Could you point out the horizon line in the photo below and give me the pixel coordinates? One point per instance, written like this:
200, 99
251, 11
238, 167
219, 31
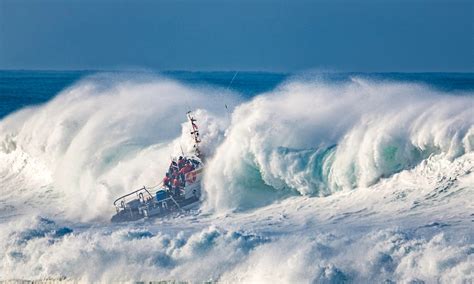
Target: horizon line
150, 70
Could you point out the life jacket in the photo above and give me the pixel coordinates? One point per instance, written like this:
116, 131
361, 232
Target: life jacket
181, 163
176, 183
188, 168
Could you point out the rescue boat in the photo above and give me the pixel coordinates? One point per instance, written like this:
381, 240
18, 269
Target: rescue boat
162, 200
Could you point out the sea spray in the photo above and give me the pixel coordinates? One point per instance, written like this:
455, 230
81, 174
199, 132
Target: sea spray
377, 129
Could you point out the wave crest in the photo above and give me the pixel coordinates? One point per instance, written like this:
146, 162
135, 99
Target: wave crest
316, 138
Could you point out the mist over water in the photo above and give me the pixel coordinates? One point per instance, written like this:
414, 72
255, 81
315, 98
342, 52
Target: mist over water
318, 157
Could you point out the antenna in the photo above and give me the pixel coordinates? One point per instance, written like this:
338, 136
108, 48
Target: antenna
231, 81
228, 87
195, 134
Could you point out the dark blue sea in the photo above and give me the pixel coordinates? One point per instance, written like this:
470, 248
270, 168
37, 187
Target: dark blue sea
22, 88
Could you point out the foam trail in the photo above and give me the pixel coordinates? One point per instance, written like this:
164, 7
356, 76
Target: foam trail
39, 248
99, 139
285, 141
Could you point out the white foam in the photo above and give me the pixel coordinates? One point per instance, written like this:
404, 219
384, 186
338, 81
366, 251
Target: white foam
282, 140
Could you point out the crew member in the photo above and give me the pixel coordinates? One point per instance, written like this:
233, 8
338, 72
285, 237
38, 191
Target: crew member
167, 181
181, 162
176, 186
173, 167
184, 170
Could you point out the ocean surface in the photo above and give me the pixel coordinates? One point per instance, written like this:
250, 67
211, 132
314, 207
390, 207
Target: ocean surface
23, 88
310, 178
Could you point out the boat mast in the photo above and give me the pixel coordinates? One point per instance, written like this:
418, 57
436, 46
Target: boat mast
195, 134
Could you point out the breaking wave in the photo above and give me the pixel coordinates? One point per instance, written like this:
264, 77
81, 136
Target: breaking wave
99, 139
106, 135
313, 138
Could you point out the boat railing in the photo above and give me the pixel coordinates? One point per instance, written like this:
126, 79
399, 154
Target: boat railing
155, 187
120, 202
144, 194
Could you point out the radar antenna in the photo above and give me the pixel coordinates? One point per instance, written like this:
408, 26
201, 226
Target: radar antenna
195, 134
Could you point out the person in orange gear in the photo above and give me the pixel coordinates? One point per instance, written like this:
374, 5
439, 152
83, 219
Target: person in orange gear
167, 181
176, 186
184, 170
181, 162
189, 167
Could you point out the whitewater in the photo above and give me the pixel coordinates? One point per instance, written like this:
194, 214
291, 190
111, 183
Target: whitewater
314, 181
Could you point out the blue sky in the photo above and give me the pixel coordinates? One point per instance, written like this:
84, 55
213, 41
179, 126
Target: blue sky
353, 35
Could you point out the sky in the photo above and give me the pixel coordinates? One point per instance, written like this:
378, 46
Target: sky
259, 35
